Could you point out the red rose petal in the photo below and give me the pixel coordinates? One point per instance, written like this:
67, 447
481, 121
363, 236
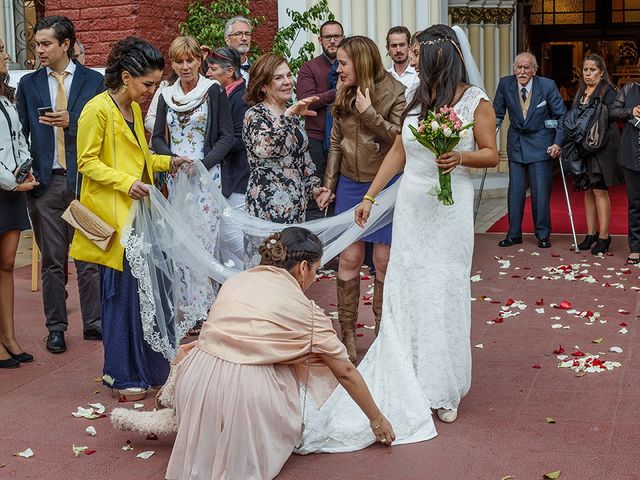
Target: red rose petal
623, 312
556, 255
540, 302
496, 301
510, 301
559, 350
359, 334
333, 304
366, 297
89, 452
366, 303
365, 277
515, 276
535, 365
565, 305
577, 353
359, 325
498, 320
623, 324
606, 284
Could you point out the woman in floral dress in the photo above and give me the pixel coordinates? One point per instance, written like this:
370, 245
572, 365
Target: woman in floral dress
281, 180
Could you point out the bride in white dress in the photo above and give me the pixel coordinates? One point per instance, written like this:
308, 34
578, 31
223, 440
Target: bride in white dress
421, 359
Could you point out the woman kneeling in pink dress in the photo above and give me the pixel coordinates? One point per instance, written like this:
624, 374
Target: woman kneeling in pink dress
237, 392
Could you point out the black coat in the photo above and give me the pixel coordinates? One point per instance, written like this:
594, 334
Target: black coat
622, 109
218, 134
602, 165
235, 167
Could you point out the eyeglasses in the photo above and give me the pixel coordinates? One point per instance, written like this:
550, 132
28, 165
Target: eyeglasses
328, 38
240, 34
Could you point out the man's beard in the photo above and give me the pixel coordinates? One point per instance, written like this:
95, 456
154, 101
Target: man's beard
400, 61
243, 49
328, 54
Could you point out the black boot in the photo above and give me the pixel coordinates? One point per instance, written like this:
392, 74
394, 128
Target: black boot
588, 241
602, 246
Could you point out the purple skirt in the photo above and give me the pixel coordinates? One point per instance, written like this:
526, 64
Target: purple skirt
349, 193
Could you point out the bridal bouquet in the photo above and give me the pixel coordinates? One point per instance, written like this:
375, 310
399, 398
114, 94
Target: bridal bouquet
440, 132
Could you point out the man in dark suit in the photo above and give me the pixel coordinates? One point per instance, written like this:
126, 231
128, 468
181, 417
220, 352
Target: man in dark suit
535, 107
62, 87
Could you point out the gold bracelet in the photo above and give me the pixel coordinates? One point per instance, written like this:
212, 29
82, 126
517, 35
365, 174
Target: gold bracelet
370, 198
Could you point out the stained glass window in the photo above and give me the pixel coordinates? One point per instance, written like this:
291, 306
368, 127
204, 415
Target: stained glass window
624, 11
564, 12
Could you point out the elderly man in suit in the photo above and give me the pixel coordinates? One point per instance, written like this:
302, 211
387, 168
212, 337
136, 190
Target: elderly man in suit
535, 106
49, 103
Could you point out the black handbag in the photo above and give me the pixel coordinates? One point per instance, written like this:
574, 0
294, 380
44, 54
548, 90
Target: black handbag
596, 136
572, 163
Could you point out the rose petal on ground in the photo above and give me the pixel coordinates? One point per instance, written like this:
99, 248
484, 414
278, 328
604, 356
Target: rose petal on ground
95, 392
89, 452
623, 324
138, 405
146, 454
597, 340
508, 477
556, 325
510, 301
498, 320
559, 350
539, 310
552, 475
100, 409
475, 278
550, 420
536, 365
577, 353
540, 302
77, 450
565, 305
623, 311
91, 430
479, 345
128, 446
28, 453
623, 331
359, 334
615, 350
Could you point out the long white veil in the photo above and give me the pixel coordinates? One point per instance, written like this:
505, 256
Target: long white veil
473, 73
181, 249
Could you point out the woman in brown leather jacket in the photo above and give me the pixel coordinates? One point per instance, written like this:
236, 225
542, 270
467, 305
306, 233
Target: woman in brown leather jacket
367, 110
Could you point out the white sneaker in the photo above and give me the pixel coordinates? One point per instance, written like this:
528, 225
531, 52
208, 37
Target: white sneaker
132, 394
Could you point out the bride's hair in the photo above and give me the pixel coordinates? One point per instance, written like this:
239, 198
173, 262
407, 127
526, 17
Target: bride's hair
289, 247
369, 70
441, 69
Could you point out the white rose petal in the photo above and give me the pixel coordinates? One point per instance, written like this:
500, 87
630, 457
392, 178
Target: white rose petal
447, 132
145, 455
91, 430
28, 453
623, 330
615, 350
479, 345
476, 278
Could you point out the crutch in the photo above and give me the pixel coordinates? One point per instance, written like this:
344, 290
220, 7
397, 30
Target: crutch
476, 208
566, 194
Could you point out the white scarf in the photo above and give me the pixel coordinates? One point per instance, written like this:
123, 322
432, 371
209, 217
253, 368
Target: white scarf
179, 101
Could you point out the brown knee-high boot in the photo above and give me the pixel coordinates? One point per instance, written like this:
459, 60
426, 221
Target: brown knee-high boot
378, 290
348, 299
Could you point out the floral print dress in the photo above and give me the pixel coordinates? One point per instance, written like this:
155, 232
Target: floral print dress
281, 178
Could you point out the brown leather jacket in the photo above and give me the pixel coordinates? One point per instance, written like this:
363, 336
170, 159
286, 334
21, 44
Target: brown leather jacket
360, 141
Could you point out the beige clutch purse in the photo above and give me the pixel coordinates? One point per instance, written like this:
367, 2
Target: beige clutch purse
89, 224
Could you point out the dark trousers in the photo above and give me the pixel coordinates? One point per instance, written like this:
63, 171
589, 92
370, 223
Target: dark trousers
54, 236
320, 160
632, 181
539, 176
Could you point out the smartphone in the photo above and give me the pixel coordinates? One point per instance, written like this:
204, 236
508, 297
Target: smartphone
44, 110
24, 171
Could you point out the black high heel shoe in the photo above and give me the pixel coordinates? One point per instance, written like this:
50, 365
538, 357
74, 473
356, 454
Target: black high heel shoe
588, 241
9, 363
602, 246
22, 357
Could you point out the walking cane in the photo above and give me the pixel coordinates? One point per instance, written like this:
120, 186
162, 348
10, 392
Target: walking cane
476, 208
566, 194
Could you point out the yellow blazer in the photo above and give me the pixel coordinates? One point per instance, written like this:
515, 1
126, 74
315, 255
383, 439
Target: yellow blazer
110, 160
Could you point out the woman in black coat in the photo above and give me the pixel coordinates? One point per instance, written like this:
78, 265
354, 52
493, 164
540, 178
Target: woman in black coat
627, 107
602, 166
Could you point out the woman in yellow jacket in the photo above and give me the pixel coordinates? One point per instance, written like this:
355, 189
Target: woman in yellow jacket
117, 168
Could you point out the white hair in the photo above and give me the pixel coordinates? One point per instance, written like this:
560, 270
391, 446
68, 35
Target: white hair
231, 21
534, 62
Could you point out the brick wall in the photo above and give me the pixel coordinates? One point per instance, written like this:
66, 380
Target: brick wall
99, 23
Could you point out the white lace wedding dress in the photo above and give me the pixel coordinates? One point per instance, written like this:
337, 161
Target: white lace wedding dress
421, 359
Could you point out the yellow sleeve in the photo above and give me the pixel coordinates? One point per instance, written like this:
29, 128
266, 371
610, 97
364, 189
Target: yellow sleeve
91, 136
160, 163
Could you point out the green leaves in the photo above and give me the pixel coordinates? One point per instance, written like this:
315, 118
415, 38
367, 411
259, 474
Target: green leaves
301, 22
206, 22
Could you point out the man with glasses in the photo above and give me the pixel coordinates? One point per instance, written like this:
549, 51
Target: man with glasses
314, 79
237, 35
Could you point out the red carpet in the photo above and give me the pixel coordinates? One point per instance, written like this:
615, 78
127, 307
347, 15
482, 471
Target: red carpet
560, 214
